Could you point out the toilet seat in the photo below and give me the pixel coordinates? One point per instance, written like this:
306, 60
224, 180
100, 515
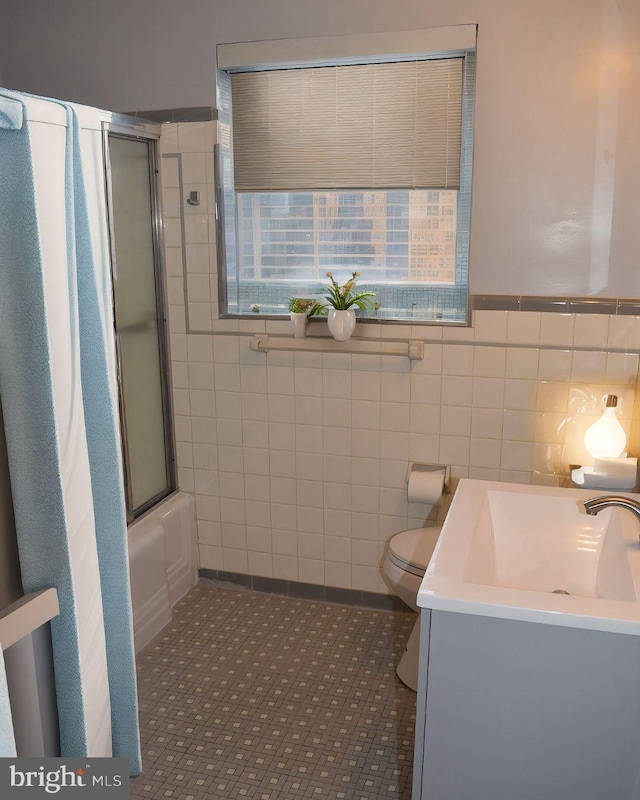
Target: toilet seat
411, 550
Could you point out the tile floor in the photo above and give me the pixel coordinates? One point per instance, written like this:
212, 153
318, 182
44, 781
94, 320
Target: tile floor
273, 698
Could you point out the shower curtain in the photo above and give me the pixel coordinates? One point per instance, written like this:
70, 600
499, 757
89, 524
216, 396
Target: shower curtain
58, 390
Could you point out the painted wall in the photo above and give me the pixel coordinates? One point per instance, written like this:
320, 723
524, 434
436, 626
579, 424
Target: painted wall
556, 193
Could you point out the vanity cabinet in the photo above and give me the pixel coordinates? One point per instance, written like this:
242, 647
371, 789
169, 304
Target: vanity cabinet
515, 710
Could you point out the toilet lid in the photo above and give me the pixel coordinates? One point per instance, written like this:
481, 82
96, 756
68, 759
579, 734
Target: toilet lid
411, 550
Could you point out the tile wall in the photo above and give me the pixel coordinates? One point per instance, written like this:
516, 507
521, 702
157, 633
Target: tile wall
298, 461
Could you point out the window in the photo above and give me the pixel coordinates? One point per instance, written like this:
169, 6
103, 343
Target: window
360, 166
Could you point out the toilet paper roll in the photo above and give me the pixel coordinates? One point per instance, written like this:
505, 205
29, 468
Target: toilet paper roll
426, 486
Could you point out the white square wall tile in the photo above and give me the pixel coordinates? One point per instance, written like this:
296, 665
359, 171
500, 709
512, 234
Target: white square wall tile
490, 326
254, 406
365, 525
519, 425
337, 496
455, 421
210, 557
365, 414
336, 412
554, 396
488, 392
283, 490
365, 443
285, 567
310, 439
192, 137
364, 552
485, 453
425, 418
395, 417
394, 445
489, 362
202, 403
281, 408
336, 383
424, 447
310, 520
454, 450
523, 327
280, 380
588, 366
557, 329
336, 468
365, 386
365, 499
260, 564
520, 394
196, 229
308, 410
426, 389
516, 456
624, 332
555, 365
522, 363
591, 330
311, 545
311, 571
259, 537
200, 317
622, 368
457, 359
456, 391
395, 388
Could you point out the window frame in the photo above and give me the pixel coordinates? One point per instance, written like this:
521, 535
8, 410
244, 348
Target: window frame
260, 56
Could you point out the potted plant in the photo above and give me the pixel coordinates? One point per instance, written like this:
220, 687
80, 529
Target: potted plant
300, 309
342, 299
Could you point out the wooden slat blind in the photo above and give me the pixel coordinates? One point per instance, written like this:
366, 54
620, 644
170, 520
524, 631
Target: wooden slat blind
372, 126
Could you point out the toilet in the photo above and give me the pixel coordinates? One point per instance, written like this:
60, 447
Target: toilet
407, 559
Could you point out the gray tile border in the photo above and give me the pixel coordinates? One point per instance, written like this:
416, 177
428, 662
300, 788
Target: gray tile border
195, 114
559, 305
330, 594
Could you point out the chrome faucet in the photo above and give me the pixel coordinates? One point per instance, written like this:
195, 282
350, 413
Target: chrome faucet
596, 504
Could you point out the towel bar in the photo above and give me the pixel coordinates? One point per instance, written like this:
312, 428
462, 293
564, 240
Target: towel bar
413, 350
26, 615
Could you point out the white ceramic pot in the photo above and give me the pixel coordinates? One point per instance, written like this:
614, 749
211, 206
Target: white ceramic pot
341, 323
299, 322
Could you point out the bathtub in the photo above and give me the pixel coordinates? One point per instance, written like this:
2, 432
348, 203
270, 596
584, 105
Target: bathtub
162, 563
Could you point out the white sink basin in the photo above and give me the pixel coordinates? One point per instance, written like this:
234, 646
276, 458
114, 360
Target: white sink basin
506, 549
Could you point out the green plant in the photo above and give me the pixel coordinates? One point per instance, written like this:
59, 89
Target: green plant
302, 305
343, 297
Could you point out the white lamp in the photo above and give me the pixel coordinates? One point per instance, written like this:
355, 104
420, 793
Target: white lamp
606, 443
606, 437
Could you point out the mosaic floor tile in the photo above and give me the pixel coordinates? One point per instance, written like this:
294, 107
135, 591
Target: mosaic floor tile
250, 695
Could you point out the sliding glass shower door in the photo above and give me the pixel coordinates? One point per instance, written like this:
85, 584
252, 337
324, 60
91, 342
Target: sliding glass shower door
139, 322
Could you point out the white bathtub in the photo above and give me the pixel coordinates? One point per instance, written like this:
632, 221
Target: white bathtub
162, 563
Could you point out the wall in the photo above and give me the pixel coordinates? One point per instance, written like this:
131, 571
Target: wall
556, 206
298, 461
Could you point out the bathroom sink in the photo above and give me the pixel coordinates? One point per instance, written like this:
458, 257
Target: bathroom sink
532, 553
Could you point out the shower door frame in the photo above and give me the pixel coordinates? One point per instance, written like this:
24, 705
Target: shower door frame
123, 127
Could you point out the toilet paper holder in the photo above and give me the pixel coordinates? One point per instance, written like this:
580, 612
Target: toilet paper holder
417, 467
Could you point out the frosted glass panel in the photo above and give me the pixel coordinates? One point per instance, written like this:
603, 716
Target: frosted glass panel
140, 368
137, 324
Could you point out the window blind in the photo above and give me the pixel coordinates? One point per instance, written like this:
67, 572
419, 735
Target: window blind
369, 126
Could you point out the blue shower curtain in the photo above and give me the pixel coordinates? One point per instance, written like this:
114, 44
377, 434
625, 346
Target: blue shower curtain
57, 384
